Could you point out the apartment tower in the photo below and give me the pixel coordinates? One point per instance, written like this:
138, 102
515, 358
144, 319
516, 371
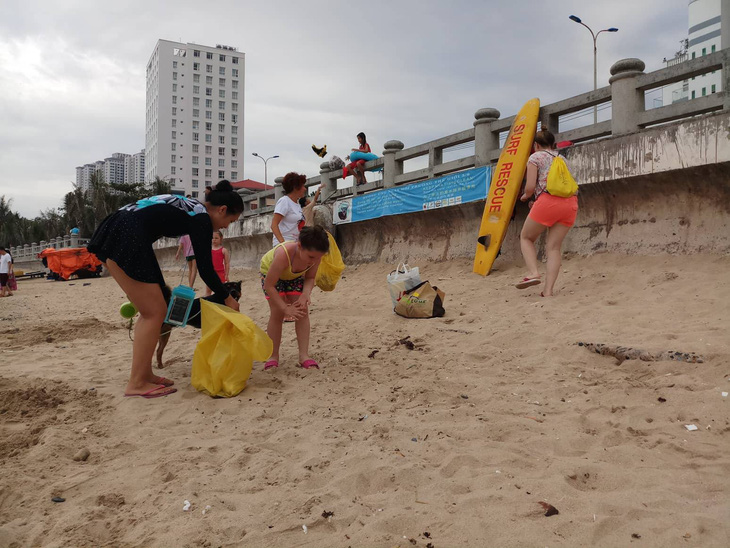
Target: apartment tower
194, 115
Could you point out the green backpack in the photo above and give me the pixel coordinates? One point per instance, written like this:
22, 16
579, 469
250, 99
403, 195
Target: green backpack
559, 180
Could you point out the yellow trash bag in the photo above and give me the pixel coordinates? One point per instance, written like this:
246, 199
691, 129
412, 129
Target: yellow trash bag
330, 268
228, 346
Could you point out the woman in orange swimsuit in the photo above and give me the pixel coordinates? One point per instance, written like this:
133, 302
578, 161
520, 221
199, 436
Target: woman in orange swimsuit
551, 213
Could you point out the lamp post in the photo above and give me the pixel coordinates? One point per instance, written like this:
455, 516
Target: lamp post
595, 50
266, 175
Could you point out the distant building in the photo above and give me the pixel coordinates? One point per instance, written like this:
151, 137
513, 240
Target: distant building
118, 168
134, 168
706, 34
249, 186
194, 115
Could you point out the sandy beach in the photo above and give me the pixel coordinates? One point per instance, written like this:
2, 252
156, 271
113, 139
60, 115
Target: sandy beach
452, 443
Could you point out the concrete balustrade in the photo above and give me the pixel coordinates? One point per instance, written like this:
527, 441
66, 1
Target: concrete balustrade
625, 92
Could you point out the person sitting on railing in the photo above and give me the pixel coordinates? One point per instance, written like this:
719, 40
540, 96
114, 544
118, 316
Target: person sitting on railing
356, 167
288, 218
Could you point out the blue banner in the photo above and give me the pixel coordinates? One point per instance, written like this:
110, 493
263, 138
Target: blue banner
454, 189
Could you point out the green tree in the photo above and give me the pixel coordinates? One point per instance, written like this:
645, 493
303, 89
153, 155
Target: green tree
159, 186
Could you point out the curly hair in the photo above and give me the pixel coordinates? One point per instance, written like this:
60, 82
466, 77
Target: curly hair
293, 181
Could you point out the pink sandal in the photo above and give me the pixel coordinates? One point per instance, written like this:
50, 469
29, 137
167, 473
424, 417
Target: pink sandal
157, 392
528, 282
271, 364
309, 364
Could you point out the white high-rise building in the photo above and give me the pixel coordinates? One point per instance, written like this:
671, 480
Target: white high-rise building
194, 117
134, 168
115, 169
706, 34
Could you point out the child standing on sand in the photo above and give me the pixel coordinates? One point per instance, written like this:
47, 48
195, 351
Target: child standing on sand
187, 248
221, 259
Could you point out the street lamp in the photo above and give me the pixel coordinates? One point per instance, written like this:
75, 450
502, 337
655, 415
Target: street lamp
595, 71
266, 175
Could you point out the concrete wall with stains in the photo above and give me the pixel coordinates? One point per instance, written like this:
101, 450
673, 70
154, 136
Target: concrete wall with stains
662, 190
698, 141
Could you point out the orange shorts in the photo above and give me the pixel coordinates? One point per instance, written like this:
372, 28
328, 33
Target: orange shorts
549, 210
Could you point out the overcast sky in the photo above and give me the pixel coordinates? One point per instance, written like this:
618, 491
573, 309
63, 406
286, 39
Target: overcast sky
72, 72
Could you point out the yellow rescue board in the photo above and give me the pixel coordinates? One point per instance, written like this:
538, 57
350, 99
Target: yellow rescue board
506, 183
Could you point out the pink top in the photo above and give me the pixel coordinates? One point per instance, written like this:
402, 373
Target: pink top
542, 159
187, 245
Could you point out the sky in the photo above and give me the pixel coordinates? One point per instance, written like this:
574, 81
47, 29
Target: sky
72, 73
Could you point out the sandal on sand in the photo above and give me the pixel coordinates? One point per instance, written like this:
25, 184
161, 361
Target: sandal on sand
156, 392
271, 364
309, 364
289, 319
528, 282
165, 381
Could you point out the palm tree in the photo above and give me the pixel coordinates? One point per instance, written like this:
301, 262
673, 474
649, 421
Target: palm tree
159, 186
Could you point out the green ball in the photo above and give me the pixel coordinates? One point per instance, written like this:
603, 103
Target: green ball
128, 310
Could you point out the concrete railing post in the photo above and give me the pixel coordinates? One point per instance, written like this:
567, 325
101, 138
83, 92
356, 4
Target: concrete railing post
278, 189
548, 121
485, 140
627, 102
391, 167
435, 157
327, 179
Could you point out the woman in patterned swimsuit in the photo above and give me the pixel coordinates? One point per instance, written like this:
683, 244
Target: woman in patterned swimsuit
123, 242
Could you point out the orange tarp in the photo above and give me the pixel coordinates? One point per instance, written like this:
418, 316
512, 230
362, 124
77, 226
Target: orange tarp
71, 261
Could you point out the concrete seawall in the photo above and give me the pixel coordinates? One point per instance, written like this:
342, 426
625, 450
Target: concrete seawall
669, 212
682, 211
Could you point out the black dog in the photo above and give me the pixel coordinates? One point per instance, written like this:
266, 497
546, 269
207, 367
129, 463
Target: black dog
234, 288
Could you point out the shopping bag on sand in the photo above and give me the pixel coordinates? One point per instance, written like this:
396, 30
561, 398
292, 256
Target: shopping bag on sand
228, 346
401, 280
330, 268
423, 301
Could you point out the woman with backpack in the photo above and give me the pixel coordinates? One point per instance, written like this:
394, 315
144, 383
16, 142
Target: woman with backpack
548, 212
